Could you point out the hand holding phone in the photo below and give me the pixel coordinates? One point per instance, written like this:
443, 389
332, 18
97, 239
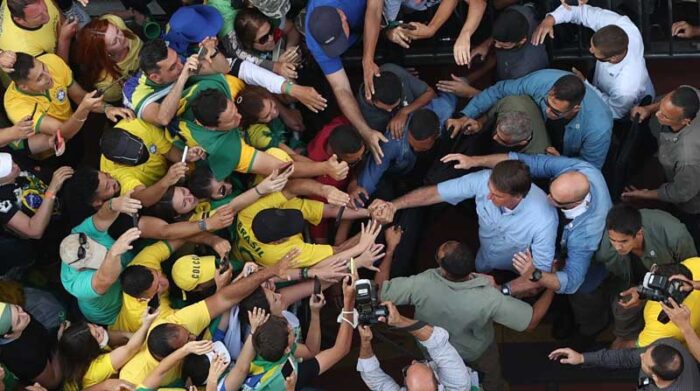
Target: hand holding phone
153, 304
184, 154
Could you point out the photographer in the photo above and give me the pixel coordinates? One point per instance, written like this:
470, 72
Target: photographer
445, 370
655, 326
665, 365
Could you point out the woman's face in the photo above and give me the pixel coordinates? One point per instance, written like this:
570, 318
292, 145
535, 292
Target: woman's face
264, 40
183, 201
20, 321
220, 189
97, 332
115, 41
269, 111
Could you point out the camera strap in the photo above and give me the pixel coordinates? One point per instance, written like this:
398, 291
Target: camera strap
416, 326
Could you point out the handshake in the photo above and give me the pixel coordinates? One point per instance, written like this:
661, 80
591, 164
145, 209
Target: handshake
382, 211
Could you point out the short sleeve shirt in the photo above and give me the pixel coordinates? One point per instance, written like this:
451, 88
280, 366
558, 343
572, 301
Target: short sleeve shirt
97, 308
55, 103
195, 318
354, 12
100, 370
250, 249
26, 194
132, 310
32, 42
148, 173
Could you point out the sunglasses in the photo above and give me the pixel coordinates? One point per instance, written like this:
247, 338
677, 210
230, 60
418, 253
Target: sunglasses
82, 252
263, 40
554, 111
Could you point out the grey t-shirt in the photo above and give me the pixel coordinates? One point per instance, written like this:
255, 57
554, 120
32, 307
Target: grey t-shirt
516, 63
411, 88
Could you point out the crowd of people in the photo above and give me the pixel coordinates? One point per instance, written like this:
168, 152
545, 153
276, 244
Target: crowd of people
182, 201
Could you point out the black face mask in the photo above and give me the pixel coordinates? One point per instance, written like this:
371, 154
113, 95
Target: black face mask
123, 147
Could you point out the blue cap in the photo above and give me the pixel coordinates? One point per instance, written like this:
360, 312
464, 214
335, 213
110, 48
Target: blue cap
326, 27
192, 24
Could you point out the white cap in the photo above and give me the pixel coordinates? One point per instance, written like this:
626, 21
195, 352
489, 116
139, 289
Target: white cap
5, 164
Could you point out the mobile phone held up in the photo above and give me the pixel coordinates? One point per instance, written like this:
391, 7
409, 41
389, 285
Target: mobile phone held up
153, 304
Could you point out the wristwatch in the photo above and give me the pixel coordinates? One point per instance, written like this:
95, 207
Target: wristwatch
536, 275
505, 289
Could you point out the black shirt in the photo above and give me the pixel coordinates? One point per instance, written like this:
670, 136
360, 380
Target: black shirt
28, 355
556, 129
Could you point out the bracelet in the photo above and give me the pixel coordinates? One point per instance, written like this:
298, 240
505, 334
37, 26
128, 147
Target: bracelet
288, 87
49, 195
258, 191
202, 224
109, 205
305, 273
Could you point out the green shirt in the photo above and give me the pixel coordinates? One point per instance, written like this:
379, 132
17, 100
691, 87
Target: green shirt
540, 137
97, 308
465, 309
666, 240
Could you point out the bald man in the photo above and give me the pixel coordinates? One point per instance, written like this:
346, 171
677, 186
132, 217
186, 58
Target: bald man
579, 192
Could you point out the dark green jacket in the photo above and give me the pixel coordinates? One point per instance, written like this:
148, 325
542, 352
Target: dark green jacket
666, 240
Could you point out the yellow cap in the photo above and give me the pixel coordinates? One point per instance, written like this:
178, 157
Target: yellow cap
191, 270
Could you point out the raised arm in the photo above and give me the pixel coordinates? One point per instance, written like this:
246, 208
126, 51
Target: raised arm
121, 355
111, 267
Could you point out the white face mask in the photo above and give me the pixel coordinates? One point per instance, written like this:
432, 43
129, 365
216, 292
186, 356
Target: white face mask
105, 340
579, 209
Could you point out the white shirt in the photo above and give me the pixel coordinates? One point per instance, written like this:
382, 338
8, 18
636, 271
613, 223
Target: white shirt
621, 85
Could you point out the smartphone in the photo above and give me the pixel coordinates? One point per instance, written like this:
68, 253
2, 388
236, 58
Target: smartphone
364, 199
317, 286
352, 266
222, 264
184, 154
201, 56
153, 304
288, 367
135, 220
339, 217
71, 19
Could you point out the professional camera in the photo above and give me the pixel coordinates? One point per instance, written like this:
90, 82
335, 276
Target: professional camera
366, 303
660, 288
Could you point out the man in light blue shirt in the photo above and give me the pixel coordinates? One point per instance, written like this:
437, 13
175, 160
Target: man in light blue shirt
514, 214
578, 121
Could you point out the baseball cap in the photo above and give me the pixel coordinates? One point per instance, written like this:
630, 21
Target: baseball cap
5, 164
79, 251
326, 27
122, 147
273, 224
276, 9
192, 24
191, 270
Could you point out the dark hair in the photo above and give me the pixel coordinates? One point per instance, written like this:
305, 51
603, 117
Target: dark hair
159, 340
77, 348
668, 362
512, 177
163, 209
17, 7
200, 181
208, 106
250, 103
345, 139
387, 88
79, 191
23, 65
624, 219
196, 367
248, 22
255, 299
270, 340
424, 123
458, 260
135, 280
510, 26
151, 54
686, 98
611, 40
569, 88
671, 269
